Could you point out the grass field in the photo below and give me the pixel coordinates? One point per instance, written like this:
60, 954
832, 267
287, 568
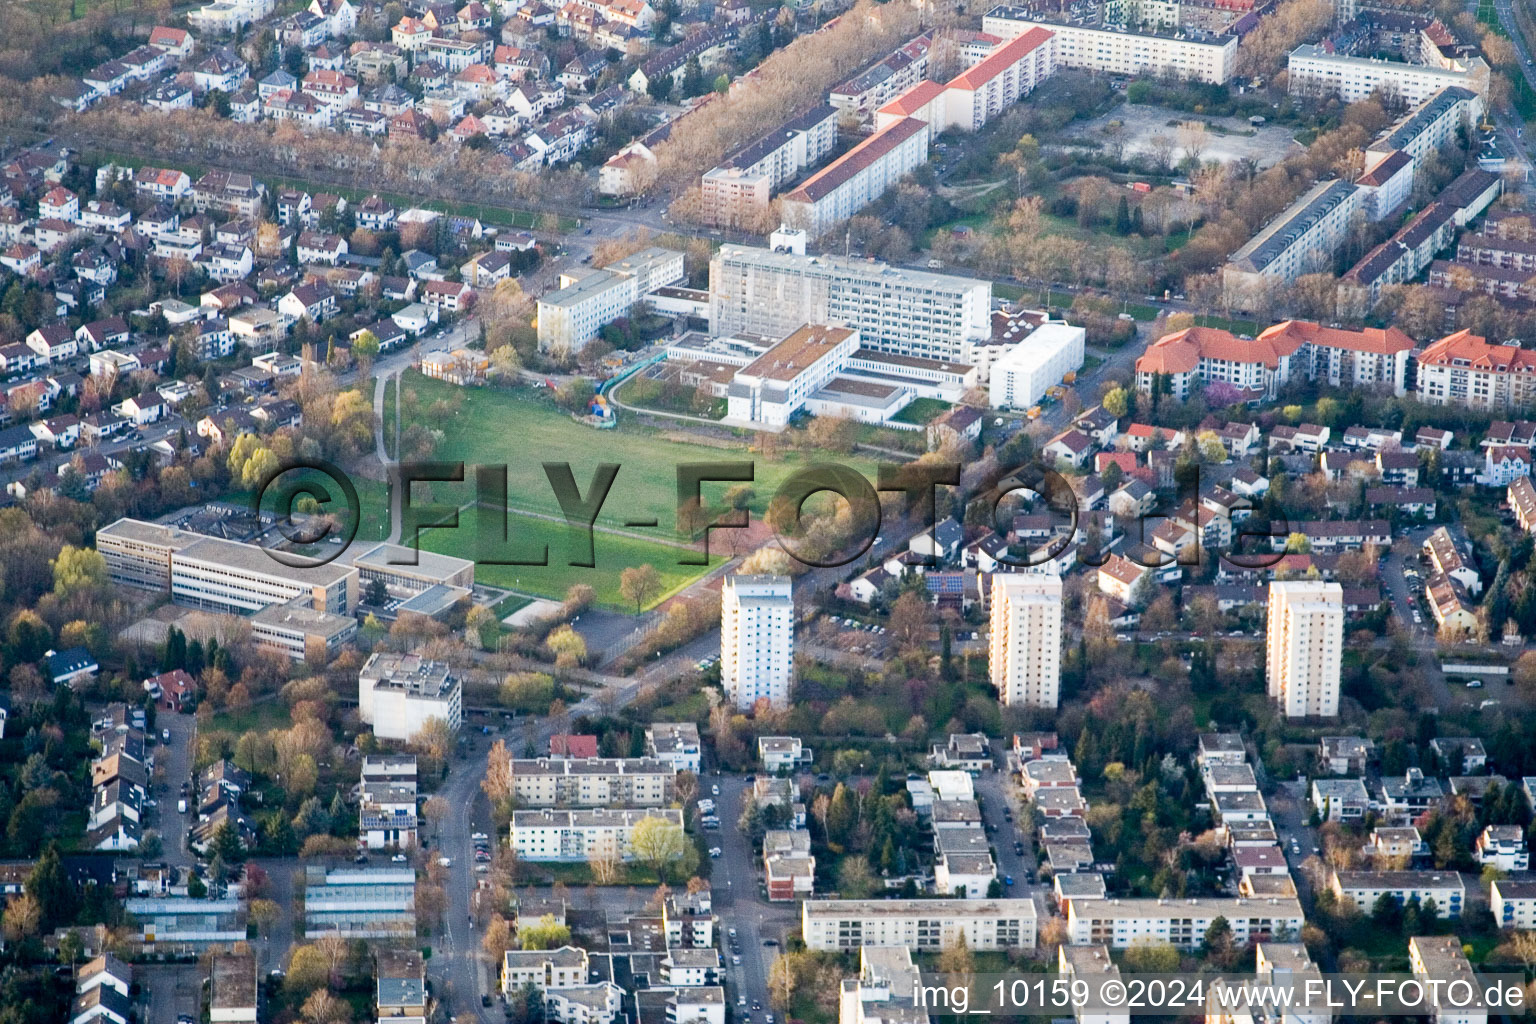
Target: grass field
262, 716
612, 553
523, 429
921, 410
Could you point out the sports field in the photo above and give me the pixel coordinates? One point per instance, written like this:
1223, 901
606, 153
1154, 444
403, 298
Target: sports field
524, 429
611, 553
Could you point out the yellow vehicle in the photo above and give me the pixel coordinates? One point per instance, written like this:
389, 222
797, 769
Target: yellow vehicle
1070, 377
1034, 412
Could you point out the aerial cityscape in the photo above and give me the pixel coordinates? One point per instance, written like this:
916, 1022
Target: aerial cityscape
1038, 493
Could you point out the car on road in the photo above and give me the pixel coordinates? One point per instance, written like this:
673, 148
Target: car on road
714, 790
715, 851
446, 862
480, 837
481, 869
1018, 848
736, 960
1007, 879
399, 858
482, 857
165, 735
361, 858
741, 1000
185, 1018
770, 942
485, 999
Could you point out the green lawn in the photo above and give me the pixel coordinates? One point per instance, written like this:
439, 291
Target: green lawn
921, 410
263, 716
1235, 326
372, 499
524, 429
612, 553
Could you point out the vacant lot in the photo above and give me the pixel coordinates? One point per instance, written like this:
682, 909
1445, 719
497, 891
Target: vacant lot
524, 429
1227, 139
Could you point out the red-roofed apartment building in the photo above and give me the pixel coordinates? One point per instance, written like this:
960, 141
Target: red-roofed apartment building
859, 176
1259, 366
999, 80
1465, 369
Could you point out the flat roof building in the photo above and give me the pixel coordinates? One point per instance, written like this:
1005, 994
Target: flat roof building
399, 693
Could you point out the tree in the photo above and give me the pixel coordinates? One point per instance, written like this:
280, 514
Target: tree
21, 919
567, 646
78, 570
662, 845
639, 583
497, 938
307, 969
545, 933
434, 810
911, 620
855, 881
606, 863
497, 783
263, 914
323, 1008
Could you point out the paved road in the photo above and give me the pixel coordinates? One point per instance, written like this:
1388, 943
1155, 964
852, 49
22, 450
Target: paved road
170, 990
738, 903
175, 758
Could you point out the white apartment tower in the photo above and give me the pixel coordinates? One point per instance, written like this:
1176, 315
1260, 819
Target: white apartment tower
1304, 647
1026, 638
757, 639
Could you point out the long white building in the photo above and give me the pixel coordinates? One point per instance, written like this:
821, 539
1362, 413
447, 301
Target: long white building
576, 834
587, 302
399, 693
1303, 239
1304, 647
1041, 360
1121, 923
925, 925
746, 180
1195, 56
778, 383
894, 309
857, 178
757, 640
1025, 638
1313, 71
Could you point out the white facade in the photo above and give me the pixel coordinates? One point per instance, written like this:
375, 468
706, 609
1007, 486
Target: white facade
926, 925
1040, 361
857, 178
584, 304
1122, 923
1025, 638
778, 383
575, 835
1304, 647
1202, 59
757, 640
1315, 72
907, 312
399, 694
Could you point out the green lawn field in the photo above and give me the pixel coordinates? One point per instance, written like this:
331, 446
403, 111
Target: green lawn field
612, 553
524, 429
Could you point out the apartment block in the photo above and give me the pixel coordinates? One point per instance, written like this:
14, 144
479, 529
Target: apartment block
1513, 902
883, 80
1093, 966
746, 181
677, 743
1301, 240
1025, 638
885, 991
544, 969
757, 640
1364, 888
1304, 647
586, 302
399, 693
1468, 370
592, 782
857, 178
1439, 962
575, 834
924, 925
999, 80
894, 309
1195, 56
1122, 923
1316, 72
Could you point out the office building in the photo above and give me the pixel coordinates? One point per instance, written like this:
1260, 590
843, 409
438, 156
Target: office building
1025, 638
1022, 375
1316, 72
576, 834
592, 782
922, 925
1122, 923
398, 693
360, 903
757, 640
893, 309
1191, 55
1304, 647
586, 302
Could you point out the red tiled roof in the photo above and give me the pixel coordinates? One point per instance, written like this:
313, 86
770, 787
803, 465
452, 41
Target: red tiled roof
1477, 353
856, 159
914, 99
1000, 59
1372, 339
